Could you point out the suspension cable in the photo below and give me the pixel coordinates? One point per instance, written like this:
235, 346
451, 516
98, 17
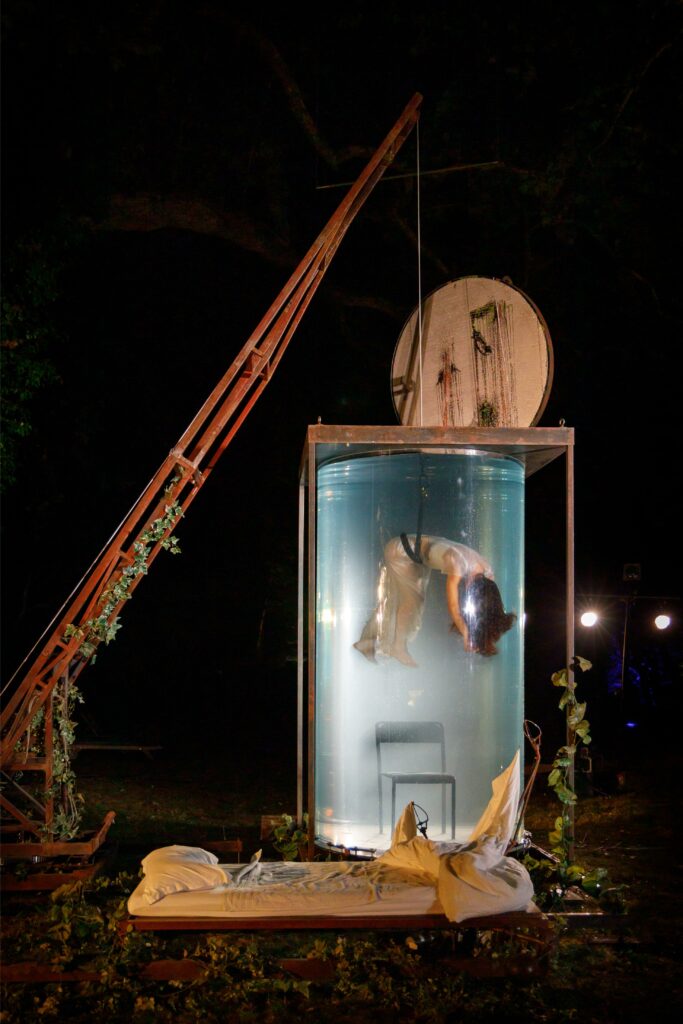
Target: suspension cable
419, 263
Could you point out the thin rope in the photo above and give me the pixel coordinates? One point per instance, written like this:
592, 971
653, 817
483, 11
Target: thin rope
419, 264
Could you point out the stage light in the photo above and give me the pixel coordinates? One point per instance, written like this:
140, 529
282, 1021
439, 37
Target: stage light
662, 621
589, 619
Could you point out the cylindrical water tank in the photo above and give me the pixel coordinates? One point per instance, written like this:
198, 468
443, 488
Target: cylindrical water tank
387, 650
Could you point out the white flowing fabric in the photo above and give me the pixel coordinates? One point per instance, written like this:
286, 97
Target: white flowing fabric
473, 879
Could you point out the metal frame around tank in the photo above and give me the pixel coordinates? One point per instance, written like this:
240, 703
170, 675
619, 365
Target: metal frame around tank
534, 446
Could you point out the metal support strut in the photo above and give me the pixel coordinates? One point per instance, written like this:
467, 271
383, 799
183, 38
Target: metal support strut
60, 653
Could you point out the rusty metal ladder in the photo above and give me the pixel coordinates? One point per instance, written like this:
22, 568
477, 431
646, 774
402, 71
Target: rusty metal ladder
60, 655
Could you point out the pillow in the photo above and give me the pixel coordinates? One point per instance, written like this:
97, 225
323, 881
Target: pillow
179, 869
193, 853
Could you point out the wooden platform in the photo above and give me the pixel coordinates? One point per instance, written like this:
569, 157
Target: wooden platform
53, 874
64, 848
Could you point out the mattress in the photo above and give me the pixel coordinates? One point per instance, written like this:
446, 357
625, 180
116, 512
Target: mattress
282, 889
415, 877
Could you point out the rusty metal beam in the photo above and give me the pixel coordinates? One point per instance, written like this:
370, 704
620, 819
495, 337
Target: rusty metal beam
186, 468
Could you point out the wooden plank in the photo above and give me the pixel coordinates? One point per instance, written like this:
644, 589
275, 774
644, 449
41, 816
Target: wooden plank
223, 846
404, 922
27, 972
306, 968
47, 880
67, 848
310, 968
173, 970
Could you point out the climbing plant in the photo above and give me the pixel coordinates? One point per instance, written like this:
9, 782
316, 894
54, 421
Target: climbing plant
553, 876
561, 777
102, 628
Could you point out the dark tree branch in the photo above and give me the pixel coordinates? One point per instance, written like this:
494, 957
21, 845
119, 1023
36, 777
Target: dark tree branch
272, 57
630, 93
145, 211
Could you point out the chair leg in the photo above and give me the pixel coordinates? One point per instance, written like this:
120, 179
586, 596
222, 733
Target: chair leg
452, 810
443, 808
379, 788
393, 804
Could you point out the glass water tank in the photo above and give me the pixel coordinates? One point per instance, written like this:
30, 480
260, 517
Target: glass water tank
411, 665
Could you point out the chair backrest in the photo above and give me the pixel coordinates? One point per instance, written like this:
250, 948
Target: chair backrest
409, 732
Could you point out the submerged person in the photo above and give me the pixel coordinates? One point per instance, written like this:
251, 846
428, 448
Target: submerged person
472, 596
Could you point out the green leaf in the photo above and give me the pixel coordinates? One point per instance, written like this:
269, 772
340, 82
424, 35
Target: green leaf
576, 714
593, 881
564, 794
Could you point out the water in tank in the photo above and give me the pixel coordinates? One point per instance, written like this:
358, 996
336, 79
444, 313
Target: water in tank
399, 641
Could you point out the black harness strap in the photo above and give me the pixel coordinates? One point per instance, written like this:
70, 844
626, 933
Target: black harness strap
415, 554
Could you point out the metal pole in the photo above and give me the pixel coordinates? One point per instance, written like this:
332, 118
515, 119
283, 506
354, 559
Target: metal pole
570, 627
300, 654
312, 549
627, 608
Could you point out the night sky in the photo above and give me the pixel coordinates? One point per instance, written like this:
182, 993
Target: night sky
163, 173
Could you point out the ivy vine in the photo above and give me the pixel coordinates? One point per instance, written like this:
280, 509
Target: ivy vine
561, 774
65, 823
103, 628
67, 818
553, 877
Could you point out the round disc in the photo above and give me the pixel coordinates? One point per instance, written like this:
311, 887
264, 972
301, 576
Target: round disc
482, 358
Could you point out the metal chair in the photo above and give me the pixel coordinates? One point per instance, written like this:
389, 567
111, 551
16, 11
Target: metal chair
414, 732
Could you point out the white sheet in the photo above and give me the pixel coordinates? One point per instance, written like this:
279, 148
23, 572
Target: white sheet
284, 889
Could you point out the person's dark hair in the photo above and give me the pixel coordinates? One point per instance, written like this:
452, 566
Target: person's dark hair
481, 606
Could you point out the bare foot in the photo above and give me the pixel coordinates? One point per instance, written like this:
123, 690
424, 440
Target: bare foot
367, 649
401, 654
